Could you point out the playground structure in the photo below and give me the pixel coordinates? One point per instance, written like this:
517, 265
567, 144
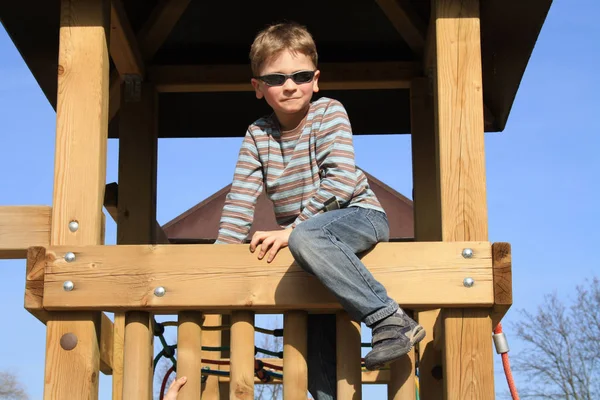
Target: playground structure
455, 74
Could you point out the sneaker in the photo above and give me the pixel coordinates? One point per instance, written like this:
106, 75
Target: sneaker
392, 338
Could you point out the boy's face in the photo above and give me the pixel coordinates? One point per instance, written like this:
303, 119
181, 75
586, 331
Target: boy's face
291, 97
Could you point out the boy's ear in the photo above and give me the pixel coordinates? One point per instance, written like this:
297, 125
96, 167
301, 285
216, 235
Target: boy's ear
316, 81
257, 90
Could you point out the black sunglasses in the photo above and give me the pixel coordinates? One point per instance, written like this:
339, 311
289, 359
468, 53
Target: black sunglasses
279, 79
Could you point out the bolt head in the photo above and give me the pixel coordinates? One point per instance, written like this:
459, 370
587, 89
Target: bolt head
468, 282
73, 226
68, 286
467, 253
70, 257
159, 291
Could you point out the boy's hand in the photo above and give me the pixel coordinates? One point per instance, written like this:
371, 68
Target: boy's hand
174, 388
274, 240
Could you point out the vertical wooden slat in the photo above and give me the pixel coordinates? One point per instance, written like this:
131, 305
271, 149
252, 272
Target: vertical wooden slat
189, 357
225, 342
295, 345
427, 216
241, 385
118, 342
467, 353
211, 338
402, 379
72, 339
349, 376
138, 142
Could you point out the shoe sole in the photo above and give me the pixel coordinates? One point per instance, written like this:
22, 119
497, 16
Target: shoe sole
395, 352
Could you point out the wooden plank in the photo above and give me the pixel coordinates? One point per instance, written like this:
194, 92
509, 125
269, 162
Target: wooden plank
502, 264
106, 345
34, 283
430, 358
402, 379
242, 356
124, 48
114, 94
211, 338
138, 146
137, 358
235, 78
348, 349
118, 345
467, 354
159, 25
407, 22
189, 358
79, 177
124, 277
427, 213
295, 350
22, 227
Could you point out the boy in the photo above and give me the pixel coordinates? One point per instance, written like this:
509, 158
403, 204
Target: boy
303, 156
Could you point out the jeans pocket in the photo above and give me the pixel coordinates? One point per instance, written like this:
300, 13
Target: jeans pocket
380, 224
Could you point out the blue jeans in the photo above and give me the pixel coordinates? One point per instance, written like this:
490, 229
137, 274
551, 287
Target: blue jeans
326, 246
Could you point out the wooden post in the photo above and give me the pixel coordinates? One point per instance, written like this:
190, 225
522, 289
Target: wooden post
349, 376
402, 379
427, 217
118, 344
189, 358
72, 343
241, 386
138, 141
211, 338
295, 345
467, 353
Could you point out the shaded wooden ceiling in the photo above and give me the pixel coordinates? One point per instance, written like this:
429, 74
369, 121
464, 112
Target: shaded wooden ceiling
197, 54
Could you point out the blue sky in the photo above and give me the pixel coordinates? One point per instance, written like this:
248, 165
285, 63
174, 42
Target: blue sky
542, 178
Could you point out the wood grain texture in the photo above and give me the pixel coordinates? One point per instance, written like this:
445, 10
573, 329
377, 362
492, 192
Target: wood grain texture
432, 385
208, 277
402, 378
295, 350
348, 354
138, 357
118, 347
467, 356
106, 344
241, 386
124, 49
211, 338
79, 178
502, 264
459, 120
22, 227
189, 357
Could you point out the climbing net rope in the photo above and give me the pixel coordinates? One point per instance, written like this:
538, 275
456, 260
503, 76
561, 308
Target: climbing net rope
266, 372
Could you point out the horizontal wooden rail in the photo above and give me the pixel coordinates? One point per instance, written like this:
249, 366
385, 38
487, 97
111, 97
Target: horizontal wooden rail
22, 227
229, 277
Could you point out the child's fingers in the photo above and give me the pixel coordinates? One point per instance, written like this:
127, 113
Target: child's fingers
274, 250
256, 239
264, 246
178, 383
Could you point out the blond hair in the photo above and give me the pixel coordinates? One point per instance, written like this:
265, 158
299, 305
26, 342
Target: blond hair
270, 42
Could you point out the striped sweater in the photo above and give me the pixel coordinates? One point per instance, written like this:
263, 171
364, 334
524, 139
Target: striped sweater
300, 170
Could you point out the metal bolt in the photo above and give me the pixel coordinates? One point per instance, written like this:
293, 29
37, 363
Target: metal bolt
70, 257
468, 282
68, 286
467, 253
73, 226
159, 291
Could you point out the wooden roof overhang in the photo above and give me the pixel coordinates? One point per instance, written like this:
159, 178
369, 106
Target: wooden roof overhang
196, 53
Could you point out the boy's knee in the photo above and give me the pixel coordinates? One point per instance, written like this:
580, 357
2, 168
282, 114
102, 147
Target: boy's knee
298, 239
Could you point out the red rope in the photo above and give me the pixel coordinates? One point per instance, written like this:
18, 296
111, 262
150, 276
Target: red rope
164, 382
273, 366
506, 364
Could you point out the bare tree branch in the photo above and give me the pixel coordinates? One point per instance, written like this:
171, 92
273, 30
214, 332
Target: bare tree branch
11, 388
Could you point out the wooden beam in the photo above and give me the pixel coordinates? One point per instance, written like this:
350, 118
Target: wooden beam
111, 198
295, 348
22, 227
211, 338
467, 355
106, 345
117, 366
124, 277
348, 354
114, 94
189, 349
407, 22
235, 78
242, 356
124, 48
72, 342
502, 264
159, 25
138, 147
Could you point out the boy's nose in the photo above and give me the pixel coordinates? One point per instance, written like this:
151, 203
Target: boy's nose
289, 84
